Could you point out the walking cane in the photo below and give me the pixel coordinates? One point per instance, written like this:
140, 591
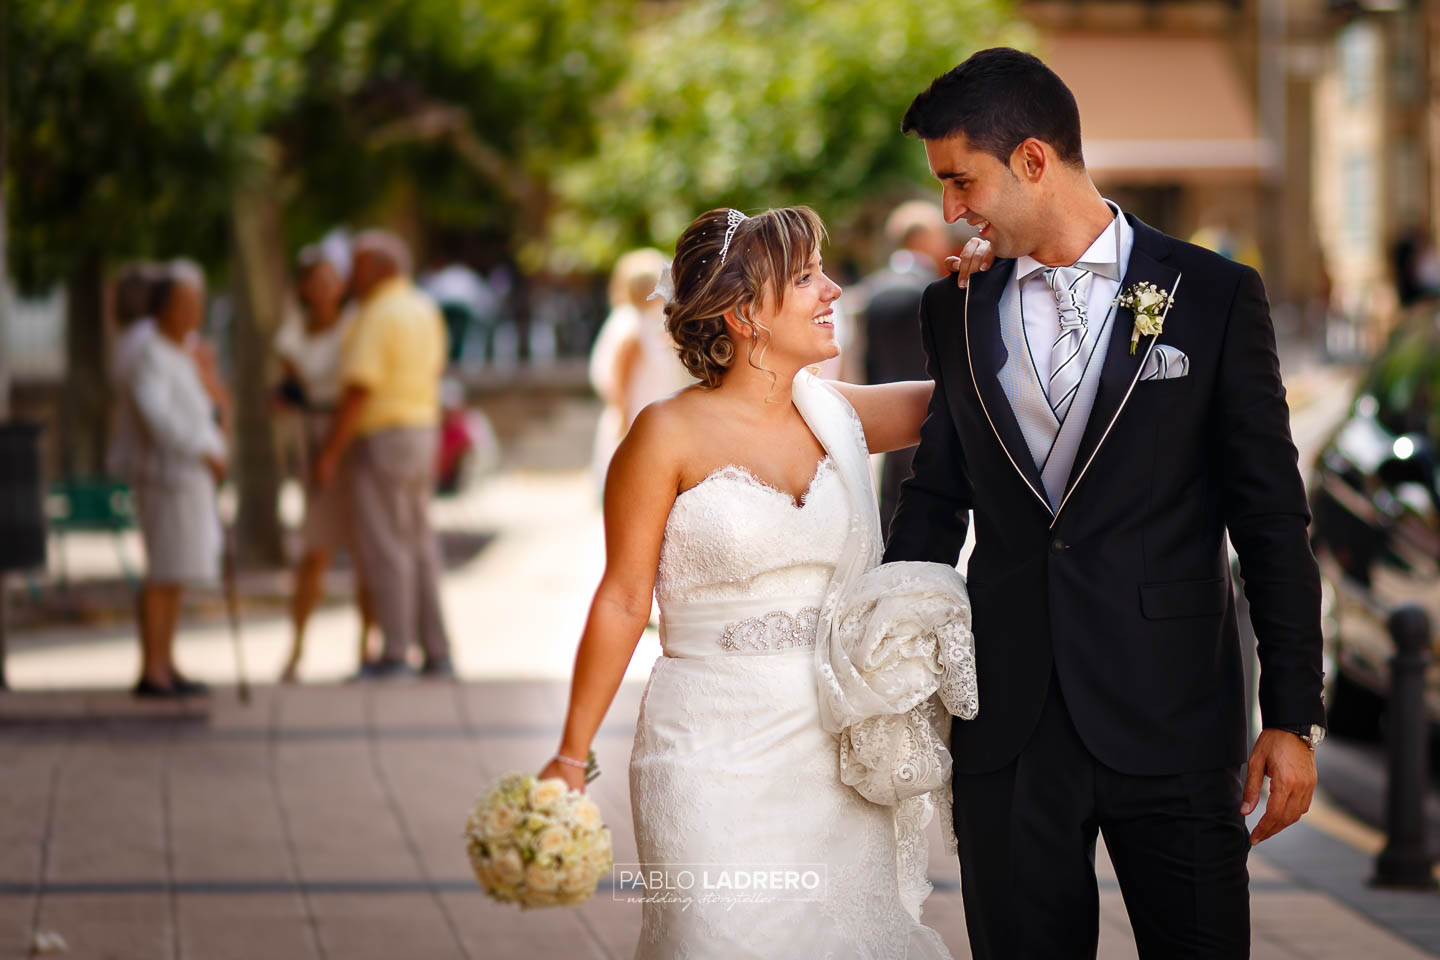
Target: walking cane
232, 608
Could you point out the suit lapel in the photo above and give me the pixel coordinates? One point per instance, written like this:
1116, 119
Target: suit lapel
1117, 379
987, 354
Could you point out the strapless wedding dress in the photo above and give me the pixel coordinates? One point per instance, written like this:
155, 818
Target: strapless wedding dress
754, 845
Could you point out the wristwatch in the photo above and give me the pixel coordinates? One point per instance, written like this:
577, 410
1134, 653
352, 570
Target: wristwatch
1313, 735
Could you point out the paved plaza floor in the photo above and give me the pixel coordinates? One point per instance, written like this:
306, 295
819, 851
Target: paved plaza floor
324, 820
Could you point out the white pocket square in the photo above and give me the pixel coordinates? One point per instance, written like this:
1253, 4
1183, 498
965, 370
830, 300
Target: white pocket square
1165, 363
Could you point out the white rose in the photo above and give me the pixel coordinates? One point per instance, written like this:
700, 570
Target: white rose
546, 793
500, 822
1149, 298
1149, 326
543, 879
507, 866
552, 840
578, 877
585, 814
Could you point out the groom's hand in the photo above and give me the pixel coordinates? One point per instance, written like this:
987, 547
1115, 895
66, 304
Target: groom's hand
1290, 764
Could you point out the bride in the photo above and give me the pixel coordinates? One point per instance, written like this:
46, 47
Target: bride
788, 748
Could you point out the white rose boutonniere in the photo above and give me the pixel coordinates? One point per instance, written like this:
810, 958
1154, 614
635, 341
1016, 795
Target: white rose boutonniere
1149, 304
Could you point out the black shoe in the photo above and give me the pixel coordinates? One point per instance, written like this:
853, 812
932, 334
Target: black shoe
439, 668
385, 670
187, 687
145, 690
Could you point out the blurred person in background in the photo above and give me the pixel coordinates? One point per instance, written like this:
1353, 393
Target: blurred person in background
181, 459
390, 370
309, 348
633, 361
135, 289
466, 300
1416, 267
890, 306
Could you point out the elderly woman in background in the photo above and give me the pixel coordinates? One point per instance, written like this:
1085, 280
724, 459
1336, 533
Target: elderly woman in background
310, 350
634, 361
181, 459
135, 290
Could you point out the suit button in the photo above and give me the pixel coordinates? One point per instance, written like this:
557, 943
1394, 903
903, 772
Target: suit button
1057, 545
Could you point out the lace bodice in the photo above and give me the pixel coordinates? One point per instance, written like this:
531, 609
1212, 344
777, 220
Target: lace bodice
732, 536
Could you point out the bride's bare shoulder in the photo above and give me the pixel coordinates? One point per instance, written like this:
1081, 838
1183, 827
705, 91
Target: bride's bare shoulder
665, 433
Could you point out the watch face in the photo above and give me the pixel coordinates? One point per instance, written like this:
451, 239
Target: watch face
1317, 735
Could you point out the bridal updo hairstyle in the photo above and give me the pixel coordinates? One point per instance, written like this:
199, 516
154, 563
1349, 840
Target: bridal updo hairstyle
766, 253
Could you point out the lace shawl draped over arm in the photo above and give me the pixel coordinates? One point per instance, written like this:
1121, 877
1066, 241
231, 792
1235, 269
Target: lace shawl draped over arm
895, 657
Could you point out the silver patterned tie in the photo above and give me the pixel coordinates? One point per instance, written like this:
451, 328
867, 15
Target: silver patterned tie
1066, 365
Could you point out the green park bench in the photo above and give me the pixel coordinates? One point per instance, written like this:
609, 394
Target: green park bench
96, 505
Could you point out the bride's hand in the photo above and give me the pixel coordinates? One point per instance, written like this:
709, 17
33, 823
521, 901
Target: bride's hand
974, 257
574, 777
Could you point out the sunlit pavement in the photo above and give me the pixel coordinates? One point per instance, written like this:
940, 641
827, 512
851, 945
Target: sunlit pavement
323, 820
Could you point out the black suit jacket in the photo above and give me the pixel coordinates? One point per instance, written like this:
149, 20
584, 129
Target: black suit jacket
1125, 591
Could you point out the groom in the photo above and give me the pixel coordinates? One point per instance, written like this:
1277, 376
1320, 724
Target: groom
1104, 464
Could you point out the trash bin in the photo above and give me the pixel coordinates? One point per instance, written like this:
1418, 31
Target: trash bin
22, 497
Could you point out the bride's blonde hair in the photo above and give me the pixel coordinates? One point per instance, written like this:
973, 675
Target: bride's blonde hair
765, 252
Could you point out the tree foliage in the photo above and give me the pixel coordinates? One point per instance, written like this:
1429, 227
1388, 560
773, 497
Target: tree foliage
130, 122
567, 129
755, 103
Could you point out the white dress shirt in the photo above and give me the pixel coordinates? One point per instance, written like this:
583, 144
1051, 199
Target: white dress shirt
1109, 252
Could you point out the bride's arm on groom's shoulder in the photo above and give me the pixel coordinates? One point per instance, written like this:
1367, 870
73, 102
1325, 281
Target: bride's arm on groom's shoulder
639, 491
933, 512
891, 413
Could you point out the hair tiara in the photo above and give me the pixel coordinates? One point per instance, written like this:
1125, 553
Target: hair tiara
665, 287
733, 220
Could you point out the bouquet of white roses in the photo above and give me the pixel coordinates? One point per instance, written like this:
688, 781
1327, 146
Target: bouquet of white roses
537, 842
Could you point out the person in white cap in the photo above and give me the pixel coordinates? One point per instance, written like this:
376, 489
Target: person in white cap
309, 346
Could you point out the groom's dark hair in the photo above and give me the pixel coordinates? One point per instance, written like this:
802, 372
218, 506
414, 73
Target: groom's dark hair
999, 98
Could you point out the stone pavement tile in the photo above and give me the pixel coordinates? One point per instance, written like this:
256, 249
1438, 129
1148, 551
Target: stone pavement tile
1262, 869
109, 815
498, 756
227, 713
338, 705
615, 925
386, 926
1261, 949
16, 706
341, 822
518, 702
121, 706
111, 926
430, 703
16, 914
945, 912
1117, 939
434, 784
1315, 926
244, 927
224, 821
499, 931
24, 805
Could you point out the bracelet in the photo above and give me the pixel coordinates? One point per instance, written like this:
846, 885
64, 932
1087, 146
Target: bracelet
569, 761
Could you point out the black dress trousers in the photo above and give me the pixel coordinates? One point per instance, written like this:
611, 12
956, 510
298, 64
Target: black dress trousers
1027, 853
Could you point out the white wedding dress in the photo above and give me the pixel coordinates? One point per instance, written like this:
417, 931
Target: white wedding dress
733, 769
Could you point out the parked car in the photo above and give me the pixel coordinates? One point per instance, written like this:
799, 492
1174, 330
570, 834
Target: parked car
1376, 529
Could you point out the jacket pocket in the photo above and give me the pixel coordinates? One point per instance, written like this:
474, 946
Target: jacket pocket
1183, 598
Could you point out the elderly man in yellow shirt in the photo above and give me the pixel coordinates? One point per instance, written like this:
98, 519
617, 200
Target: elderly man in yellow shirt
391, 371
